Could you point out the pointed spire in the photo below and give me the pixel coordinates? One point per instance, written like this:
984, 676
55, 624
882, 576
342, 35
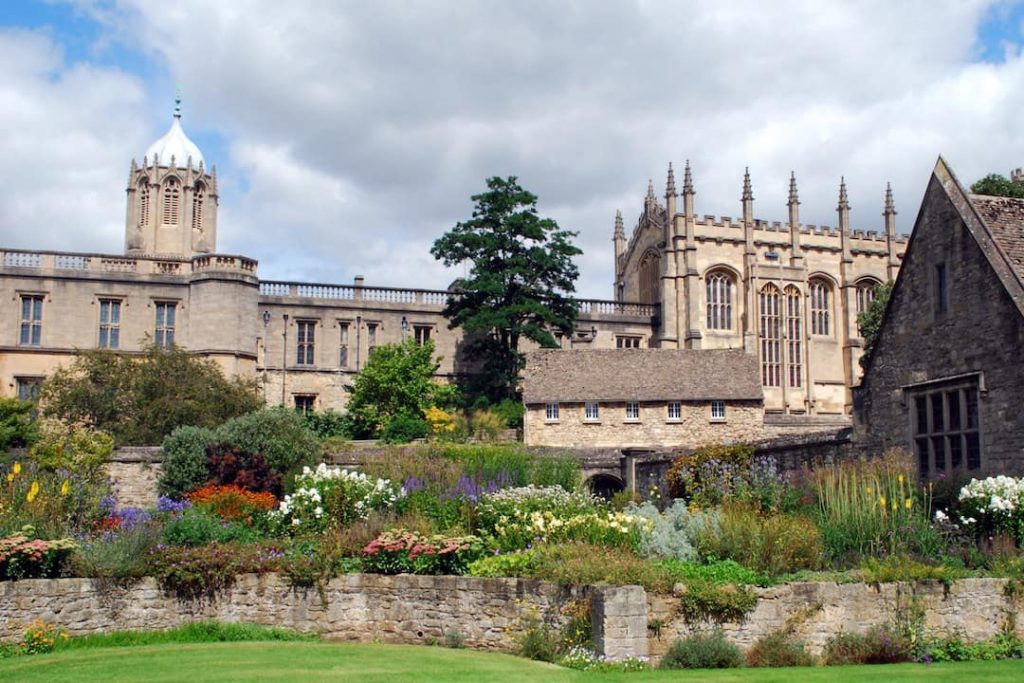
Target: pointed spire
650, 190
793, 198
748, 193
844, 204
619, 231
687, 179
670, 184
890, 206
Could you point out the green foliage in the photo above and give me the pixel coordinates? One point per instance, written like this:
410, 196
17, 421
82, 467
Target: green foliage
570, 564
120, 554
997, 185
954, 649
17, 423
185, 465
869, 321
535, 639
878, 645
772, 544
511, 411
708, 601
196, 632
141, 399
279, 433
778, 649
487, 425
54, 503
905, 568
326, 424
197, 572
404, 428
520, 281
79, 450
197, 527
719, 572
707, 476
702, 651
517, 564
669, 534
397, 381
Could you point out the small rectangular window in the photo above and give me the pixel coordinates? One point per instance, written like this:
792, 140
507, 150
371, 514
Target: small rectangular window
941, 289
28, 387
110, 323
31, 320
551, 412
422, 333
675, 410
305, 342
371, 336
592, 412
633, 411
343, 345
718, 410
305, 403
627, 342
165, 320
945, 428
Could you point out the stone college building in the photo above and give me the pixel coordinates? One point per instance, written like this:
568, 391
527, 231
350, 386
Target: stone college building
785, 293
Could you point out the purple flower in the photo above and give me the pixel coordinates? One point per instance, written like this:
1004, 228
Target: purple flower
170, 506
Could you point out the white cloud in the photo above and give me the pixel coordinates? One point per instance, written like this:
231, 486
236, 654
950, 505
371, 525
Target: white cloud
357, 132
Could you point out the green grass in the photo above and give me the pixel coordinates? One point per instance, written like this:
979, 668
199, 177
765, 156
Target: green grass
321, 661
196, 632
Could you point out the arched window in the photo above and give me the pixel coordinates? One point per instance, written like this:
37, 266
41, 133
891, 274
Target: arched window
198, 193
770, 337
821, 305
143, 202
794, 337
719, 296
650, 275
172, 201
865, 293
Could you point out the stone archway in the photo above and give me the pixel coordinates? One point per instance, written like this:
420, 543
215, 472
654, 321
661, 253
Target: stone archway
605, 485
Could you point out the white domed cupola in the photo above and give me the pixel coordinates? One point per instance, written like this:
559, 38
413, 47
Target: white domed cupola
172, 198
174, 148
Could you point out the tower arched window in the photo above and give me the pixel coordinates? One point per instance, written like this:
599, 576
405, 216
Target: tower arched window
650, 275
771, 361
143, 192
719, 298
198, 197
865, 293
172, 201
794, 337
821, 307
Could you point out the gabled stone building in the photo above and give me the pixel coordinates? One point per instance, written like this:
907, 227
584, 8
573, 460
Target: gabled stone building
946, 377
641, 398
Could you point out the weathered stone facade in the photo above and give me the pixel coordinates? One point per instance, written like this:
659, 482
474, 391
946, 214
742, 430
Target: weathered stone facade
945, 379
788, 293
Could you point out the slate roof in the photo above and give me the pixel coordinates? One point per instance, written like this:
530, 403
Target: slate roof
577, 375
1004, 217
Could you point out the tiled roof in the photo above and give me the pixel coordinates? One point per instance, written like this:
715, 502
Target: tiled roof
1004, 217
640, 375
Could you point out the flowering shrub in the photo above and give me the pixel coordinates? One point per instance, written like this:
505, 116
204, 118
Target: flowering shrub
202, 571
516, 518
706, 477
25, 557
993, 506
404, 552
56, 503
233, 503
41, 637
331, 496
583, 658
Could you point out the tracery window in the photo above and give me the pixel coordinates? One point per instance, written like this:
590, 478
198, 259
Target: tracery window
143, 202
719, 301
198, 197
650, 274
172, 201
794, 337
821, 306
770, 336
865, 294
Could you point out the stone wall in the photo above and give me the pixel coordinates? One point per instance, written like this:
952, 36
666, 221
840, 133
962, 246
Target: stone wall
135, 473
359, 607
975, 608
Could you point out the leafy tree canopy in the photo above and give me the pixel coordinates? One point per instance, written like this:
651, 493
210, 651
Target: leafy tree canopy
520, 283
997, 185
396, 382
139, 399
869, 321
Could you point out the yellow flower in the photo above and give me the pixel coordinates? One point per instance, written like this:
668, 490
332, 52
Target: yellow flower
33, 491
900, 479
65, 487
909, 503
881, 501
17, 468
868, 490
10, 477
895, 506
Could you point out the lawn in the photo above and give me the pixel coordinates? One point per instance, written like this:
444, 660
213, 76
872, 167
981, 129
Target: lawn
319, 661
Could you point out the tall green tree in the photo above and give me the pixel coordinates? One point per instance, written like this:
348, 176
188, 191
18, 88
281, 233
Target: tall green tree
997, 185
869, 321
140, 399
520, 284
396, 382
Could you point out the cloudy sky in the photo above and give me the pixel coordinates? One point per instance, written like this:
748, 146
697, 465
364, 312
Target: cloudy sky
349, 135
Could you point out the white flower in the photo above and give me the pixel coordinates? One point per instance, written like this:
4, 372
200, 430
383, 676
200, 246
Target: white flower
941, 516
296, 521
318, 511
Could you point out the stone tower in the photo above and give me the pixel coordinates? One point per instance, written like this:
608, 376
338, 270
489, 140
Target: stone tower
172, 200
